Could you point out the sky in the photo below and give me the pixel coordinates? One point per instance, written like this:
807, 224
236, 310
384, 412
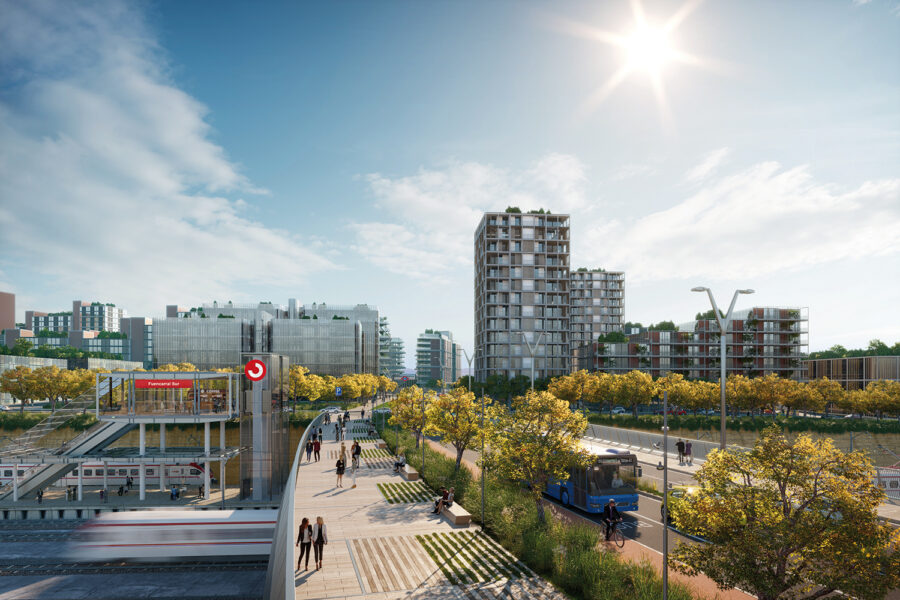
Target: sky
161, 153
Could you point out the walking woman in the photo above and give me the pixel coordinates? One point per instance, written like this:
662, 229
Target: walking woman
309, 449
340, 470
320, 539
305, 537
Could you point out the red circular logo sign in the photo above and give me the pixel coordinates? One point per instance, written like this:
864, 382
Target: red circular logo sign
255, 370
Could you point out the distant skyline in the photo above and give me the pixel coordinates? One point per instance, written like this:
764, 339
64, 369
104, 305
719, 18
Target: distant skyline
169, 152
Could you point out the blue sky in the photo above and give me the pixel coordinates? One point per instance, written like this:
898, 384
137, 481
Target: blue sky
343, 152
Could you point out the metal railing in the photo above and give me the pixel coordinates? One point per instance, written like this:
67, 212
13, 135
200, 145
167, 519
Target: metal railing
280, 572
651, 443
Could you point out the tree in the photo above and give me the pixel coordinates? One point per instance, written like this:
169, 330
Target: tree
409, 410
634, 388
22, 347
789, 520
19, 384
50, 383
884, 396
769, 391
174, 368
739, 392
536, 440
455, 417
574, 387
829, 391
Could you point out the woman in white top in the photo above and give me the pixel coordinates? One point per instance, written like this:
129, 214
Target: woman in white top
320, 538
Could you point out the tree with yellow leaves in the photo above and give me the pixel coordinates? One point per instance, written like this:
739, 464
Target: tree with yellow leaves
574, 387
884, 397
829, 391
769, 391
409, 410
19, 384
536, 439
789, 520
183, 366
633, 389
456, 418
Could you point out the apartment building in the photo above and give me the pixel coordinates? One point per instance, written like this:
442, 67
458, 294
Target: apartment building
7, 311
437, 357
84, 316
853, 373
522, 297
760, 340
391, 355
597, 304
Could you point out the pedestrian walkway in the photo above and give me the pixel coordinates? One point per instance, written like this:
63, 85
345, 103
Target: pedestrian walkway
384, 542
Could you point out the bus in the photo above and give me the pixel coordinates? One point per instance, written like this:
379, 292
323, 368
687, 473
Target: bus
613, 474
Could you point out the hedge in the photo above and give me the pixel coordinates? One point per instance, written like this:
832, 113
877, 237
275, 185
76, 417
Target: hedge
712, 423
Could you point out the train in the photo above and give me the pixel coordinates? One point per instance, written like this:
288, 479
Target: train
174, 535
187, 474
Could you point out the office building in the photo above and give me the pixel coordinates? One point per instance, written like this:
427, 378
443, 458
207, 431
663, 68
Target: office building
522, 295
391, 355
761, 340
7, 311
437, 357
326, 339
597, 304
853, 373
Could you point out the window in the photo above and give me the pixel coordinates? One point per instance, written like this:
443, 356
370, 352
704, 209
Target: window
195, 472
528, 285
134, 472
7, 472
527, 233
528, 259
88, 472
528, 310
150, 472
99, 472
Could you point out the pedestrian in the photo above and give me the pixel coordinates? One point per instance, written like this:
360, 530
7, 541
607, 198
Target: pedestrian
353, 469
173, 494
340, 470
680, 446
102, 496
122, 490
337, 430
343, 431
200, 491
355, 451
320, 540
321, 438
129, 482
317, 446
362, 414
305, 537
440, 500
312, 438
40, 496
688, 449
309, 449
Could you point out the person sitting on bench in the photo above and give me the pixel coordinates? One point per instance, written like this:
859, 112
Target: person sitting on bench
400, 461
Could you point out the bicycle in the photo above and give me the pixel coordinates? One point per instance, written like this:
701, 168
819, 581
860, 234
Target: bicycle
616, 537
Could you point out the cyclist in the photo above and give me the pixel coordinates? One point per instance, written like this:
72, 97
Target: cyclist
611, 517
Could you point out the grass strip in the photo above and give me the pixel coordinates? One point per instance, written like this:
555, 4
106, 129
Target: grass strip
438, 556
488, 556
475, 560
455, 558
503, 556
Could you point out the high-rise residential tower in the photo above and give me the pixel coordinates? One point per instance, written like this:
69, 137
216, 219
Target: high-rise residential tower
437, 357
598, 303
522, 291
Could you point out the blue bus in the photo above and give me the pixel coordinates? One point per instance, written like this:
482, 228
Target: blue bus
613, 474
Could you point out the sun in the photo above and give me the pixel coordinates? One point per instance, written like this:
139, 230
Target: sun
648, 48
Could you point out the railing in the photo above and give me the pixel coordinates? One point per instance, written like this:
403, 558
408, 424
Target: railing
280, 572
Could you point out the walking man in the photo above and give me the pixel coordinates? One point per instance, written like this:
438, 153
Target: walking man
680, 446
317, 446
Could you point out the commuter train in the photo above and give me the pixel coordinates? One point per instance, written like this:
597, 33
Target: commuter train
172, 535
188, 474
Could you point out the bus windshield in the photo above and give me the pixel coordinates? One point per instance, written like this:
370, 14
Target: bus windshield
612, 475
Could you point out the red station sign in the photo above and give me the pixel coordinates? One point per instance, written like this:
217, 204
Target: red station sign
163, 384
255, 370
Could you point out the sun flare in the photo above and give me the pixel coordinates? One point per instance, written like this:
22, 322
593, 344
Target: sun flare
648, 48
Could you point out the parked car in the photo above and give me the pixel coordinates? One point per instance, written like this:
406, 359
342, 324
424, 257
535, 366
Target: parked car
618, 411
673, 411
333, 409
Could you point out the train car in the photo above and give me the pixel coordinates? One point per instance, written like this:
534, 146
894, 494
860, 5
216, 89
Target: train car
173, 535
116, 473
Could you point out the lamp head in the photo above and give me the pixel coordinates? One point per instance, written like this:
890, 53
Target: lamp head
699, 289
745, 291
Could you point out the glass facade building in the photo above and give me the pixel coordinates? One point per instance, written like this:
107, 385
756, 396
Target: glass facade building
205, 343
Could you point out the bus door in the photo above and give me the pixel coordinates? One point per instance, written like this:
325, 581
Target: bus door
579, 480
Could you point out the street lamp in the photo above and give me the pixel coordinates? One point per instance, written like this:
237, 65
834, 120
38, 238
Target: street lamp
469, 360
531, 351
723, 322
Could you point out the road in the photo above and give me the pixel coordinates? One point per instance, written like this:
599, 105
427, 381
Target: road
33, 565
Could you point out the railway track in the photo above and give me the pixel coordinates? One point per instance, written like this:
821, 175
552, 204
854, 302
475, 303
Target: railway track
19, 568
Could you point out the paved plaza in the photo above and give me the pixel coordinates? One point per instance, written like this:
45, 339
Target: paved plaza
384, 543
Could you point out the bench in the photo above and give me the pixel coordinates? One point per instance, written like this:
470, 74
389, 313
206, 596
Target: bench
381, 445
457, 514
409, 473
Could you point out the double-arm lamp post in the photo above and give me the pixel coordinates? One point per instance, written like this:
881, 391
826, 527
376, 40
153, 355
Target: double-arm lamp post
531, 350
469, 360
723, 322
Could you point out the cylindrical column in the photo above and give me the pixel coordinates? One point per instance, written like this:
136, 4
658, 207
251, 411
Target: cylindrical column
222, 435
80, 482
722, 384
206, 467
143, 434
222, 480
162, 475
143, 481
105, 477
206, 438
15, 483
162, 438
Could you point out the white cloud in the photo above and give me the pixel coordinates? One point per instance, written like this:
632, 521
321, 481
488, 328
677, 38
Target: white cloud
108, 176
437, 210
708, 166
758, 221
630, 171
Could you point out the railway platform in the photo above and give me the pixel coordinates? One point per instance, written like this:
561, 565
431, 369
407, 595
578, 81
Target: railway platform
384, 542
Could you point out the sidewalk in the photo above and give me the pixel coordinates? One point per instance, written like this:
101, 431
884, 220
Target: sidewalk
381, 551
887, 511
